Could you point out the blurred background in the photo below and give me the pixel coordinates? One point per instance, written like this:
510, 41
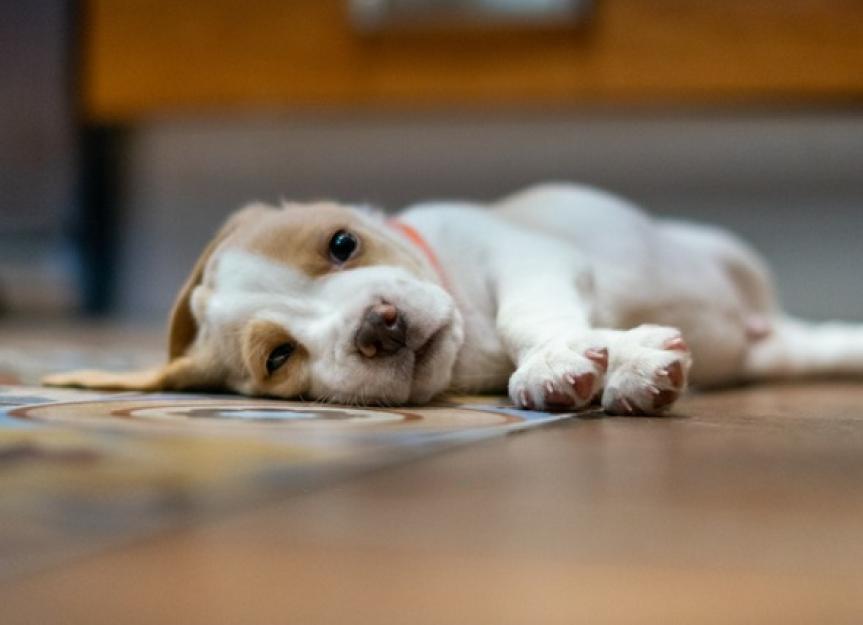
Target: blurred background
130, 128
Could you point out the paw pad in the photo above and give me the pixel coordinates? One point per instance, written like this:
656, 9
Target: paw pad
558, 401
599, 356
674, 373
624, 407
662, 398
676, 344
582, 384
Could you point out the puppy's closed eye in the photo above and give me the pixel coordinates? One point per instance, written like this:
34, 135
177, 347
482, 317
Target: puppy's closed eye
279, 356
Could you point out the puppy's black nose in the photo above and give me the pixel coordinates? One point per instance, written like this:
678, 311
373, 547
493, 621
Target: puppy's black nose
382, 331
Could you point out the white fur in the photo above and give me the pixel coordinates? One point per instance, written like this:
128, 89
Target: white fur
540, 286
543, 275
323, 314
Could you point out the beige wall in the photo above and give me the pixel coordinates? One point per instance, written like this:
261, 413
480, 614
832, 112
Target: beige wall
790, 183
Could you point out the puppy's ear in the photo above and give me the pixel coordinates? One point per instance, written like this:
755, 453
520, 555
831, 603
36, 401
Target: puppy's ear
182, 327
179, 374
183, 371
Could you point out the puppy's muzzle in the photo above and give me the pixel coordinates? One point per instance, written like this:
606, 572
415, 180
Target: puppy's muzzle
382, 331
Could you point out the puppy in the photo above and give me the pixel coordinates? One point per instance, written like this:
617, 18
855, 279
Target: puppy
562, 294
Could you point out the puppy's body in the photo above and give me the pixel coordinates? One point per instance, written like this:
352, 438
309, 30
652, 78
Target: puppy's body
586, 258
561, 294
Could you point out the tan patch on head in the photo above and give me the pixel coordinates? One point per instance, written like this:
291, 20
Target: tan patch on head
298, 235
260, 337
182, 327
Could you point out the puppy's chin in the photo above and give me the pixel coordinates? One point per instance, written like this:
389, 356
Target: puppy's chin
415, 374
434, 361
436, 332
410, 376
418, 371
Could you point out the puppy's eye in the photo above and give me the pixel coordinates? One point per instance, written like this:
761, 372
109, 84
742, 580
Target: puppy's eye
279, 356
342, 246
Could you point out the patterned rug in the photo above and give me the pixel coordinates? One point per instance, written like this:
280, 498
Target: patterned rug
82, 470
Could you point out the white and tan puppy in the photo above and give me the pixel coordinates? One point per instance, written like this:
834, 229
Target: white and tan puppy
561, 294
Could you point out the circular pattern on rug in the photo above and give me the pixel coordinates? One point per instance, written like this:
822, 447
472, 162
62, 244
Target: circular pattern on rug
259, 413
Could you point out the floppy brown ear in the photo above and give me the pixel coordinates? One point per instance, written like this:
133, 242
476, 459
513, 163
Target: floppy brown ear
179, 374
182, 371
182, 327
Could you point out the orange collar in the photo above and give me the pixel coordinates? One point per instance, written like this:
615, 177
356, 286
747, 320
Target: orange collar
417, 239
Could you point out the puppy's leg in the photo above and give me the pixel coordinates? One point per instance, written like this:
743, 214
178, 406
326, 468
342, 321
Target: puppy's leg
543, 320
562, 363
545, 296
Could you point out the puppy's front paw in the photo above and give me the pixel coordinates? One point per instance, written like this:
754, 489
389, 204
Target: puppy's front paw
559, 378
648, 371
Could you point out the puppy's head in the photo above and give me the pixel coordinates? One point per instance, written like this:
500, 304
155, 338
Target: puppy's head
315, 301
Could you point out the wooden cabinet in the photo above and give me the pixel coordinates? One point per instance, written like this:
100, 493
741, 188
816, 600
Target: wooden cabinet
155, 56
